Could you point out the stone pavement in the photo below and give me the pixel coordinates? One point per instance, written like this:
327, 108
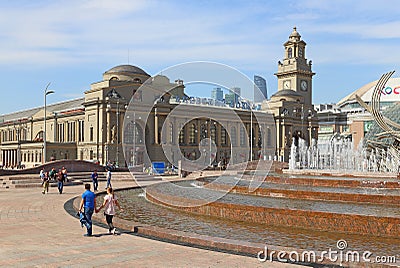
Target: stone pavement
36, 231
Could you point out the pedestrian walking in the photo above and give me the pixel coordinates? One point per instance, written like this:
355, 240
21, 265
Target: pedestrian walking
60, 181
108, 185
87, 206
109, 204
64, 173
95, 177
53, 174
44, 176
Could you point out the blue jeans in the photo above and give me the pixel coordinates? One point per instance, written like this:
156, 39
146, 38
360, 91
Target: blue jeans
88, 214
95, 184
108, 183
60, 186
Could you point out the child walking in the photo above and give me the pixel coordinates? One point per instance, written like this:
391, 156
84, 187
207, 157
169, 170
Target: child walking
110, 201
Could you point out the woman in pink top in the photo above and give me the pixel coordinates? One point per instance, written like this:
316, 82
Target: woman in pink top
110, 201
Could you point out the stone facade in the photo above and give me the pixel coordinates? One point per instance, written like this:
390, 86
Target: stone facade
93, 128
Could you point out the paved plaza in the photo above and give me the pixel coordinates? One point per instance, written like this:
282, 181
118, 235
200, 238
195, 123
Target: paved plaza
38, 232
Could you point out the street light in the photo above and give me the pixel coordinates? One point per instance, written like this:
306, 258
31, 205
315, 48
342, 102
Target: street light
46, 92
251, 134
251, 127
117, 157
113, 94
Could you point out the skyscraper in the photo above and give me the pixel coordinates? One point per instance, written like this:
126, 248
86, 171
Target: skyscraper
260, 93
232, 98
217, 94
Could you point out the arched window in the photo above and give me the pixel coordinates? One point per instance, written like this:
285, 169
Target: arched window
289, 52
133, 133
192, 134
39, 136
233, 136
114, 78
182, 135
203, 134
137, 80
24, 134
242, 136
223, 136
213, 130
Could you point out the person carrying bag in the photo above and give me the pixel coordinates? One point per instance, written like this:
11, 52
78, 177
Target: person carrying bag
110, 201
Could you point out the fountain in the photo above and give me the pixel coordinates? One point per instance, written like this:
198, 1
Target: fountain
286, 212
341, 156
245, 210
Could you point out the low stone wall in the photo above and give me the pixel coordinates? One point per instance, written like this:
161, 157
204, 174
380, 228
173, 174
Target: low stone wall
323, 221
375, 183
70, 165
311, 195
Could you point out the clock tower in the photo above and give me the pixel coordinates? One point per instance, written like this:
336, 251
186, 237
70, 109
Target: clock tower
295, 119
294, 73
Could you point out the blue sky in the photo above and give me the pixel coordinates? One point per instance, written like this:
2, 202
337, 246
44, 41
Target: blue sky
71, 43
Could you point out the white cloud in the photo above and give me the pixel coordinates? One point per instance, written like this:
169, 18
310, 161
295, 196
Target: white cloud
73, 32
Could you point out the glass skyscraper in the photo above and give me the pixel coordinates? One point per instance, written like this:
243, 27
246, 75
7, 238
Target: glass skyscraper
260, 93
217, 94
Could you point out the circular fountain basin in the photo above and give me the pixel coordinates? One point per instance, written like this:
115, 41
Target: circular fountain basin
368, 194
137, 208
320, 215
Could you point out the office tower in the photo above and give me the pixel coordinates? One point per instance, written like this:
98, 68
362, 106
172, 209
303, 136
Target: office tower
260, 89
217, 94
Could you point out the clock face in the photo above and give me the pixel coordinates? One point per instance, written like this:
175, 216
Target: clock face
286, 84
303, 85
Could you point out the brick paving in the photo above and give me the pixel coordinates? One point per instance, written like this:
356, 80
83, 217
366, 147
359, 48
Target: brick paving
37, 232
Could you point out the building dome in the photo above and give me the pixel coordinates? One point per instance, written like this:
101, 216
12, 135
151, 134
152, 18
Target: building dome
126, 73
127, 69
286, 93
390, 94
294, 36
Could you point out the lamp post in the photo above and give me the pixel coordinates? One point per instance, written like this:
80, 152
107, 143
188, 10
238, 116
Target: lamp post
251, 134
46, 92
113, 94
251, 127
117, 156
134, 141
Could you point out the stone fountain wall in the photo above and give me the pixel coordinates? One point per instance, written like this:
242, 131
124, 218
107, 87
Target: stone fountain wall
322, 221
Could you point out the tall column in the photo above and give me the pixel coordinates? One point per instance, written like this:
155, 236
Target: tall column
12, 157
156, 141
108, 127
283, 140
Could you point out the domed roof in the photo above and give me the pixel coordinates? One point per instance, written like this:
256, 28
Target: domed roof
127, 69
391, 92
286, 92
295, 33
